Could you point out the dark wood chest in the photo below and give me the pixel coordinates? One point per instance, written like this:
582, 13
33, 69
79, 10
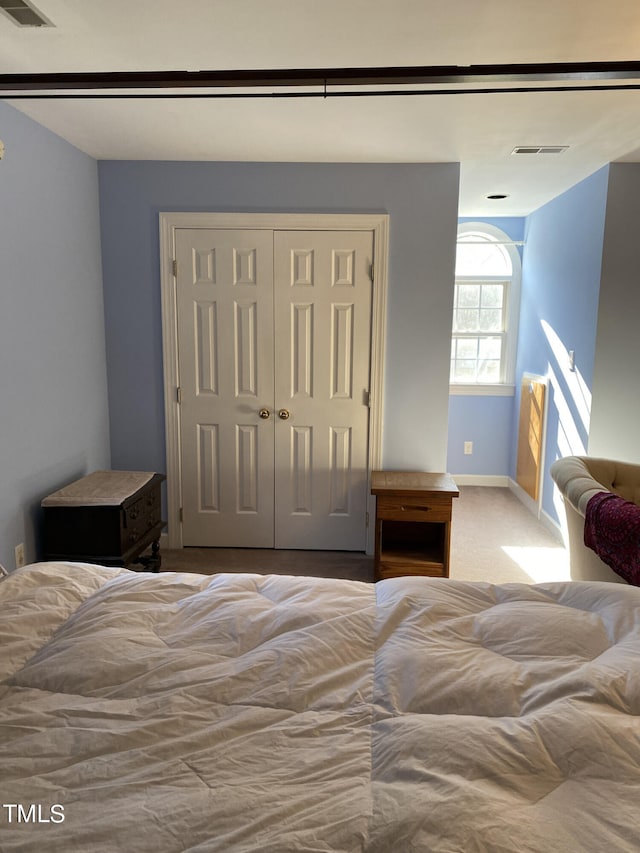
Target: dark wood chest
108, 517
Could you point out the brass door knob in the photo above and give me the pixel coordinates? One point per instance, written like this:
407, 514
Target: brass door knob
264, 414
284, 414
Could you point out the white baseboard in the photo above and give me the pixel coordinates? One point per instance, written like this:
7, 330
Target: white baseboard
552, 526
481, 480
524, 498
543, 517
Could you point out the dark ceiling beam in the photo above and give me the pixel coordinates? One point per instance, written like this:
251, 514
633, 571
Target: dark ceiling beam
559, 72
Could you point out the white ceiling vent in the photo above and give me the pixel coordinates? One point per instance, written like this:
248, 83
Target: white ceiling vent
24, 14
539, 149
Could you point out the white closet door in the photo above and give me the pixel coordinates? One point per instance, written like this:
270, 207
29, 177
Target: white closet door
322, 314
224, 299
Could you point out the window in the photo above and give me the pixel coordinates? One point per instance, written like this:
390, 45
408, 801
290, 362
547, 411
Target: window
485, 308
479, 331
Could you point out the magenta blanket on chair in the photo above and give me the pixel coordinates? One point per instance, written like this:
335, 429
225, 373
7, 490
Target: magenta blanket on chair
612, 530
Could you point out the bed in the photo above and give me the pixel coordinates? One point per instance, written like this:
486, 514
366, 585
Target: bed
241, 712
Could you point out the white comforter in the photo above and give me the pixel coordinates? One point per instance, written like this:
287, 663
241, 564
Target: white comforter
180, 712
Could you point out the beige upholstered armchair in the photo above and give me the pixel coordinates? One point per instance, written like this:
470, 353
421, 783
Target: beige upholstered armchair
579, 478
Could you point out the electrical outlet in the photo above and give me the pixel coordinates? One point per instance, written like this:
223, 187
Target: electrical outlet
20, 555
468, 448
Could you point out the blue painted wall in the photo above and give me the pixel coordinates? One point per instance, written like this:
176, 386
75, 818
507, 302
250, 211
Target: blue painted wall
561, 271
558, 313
513, 226
422, 202
53, 418
484, 420
56, 203
615, 416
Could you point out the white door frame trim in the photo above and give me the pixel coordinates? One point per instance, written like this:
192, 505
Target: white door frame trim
169, 222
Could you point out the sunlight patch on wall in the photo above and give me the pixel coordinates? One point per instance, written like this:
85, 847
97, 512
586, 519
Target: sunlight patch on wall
569, 441
572, 380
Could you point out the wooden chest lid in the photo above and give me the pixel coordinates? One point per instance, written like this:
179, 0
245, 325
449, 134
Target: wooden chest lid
101, 488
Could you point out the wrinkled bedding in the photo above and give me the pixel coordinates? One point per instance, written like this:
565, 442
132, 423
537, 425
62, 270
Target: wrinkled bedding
181, 712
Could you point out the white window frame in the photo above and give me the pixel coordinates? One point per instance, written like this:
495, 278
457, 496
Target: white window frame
507, 386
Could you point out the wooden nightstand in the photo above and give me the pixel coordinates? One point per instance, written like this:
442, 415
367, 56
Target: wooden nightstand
413, 523
108, 517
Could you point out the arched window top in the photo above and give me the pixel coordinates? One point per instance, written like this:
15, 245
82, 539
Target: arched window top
486, 307
479, 254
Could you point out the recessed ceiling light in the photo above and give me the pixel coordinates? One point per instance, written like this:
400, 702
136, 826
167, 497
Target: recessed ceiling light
498, 196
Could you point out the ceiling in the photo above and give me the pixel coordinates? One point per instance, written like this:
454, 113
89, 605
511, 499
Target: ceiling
478, 130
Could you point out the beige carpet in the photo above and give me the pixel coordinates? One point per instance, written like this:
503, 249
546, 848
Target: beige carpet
494, 538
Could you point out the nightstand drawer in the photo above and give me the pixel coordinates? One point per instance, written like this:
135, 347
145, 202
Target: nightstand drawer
413, 509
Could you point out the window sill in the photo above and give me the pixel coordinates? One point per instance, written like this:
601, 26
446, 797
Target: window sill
478, 390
